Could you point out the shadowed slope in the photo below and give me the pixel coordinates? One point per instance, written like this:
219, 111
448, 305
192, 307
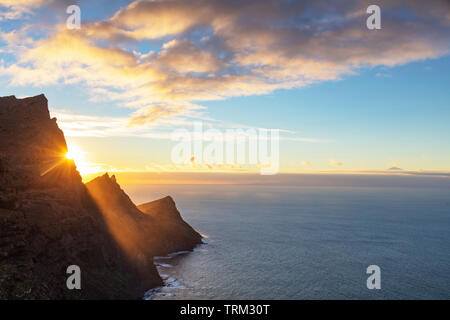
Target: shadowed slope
168, 218
157, 231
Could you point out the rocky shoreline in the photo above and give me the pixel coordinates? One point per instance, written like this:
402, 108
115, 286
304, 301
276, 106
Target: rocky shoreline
50, 220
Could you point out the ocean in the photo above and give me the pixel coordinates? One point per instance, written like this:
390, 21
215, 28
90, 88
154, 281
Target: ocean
273, 242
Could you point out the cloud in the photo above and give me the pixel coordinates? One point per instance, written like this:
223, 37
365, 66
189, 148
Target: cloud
149, 115
15, 9
335, 163
383, 75
306, 163
211, 50
78, 125
81, 125
183, 56
22, 3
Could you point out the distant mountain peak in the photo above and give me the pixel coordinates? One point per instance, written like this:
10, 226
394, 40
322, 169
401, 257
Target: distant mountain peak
395, 168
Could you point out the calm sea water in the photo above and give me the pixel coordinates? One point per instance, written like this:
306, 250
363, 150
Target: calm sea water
307, 243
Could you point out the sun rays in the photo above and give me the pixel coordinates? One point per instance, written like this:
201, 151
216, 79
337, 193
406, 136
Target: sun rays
76, 154
80, 157
72, 155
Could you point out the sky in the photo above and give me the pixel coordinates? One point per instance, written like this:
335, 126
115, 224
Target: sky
344, 98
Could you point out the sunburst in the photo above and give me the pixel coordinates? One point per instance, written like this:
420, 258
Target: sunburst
78, 155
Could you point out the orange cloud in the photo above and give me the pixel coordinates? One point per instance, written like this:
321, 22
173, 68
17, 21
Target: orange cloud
183, 56
16, 8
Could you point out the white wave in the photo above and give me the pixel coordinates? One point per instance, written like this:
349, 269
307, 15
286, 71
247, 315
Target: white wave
164, 265
170, 255
173, 283
174, 254
204, 236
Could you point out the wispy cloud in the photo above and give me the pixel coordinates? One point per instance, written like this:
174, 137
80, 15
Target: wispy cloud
79, 125
15, 9
335, 163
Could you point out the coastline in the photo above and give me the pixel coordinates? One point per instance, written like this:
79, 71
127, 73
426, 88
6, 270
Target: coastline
164, 265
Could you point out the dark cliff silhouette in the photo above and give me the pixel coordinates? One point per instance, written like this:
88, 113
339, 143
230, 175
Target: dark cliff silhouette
50, 220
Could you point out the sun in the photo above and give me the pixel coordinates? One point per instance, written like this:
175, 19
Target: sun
76, 154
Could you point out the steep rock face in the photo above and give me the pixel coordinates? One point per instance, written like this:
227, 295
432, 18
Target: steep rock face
180, 235
49, 220
31, 146
155, 228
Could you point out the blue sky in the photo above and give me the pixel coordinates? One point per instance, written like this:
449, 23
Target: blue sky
352, 99
375, 118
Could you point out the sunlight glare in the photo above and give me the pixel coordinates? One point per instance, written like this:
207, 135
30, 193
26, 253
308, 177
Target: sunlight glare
78, 156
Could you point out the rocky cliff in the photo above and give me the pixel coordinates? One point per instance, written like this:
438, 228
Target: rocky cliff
50, 220
180, 235
156, 227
